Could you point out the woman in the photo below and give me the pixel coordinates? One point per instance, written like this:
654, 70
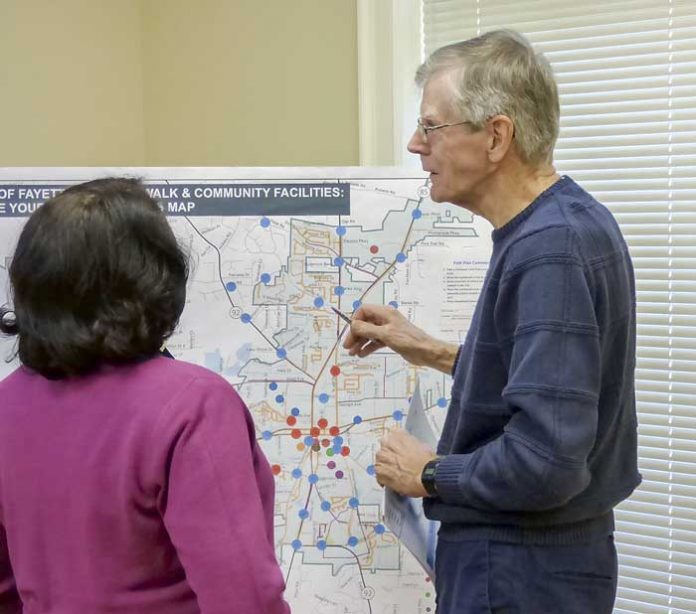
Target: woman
129, 482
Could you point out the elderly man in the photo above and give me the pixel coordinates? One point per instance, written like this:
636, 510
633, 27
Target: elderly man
540, 439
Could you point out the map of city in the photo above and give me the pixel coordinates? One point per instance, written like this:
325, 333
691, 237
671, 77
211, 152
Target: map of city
259, 313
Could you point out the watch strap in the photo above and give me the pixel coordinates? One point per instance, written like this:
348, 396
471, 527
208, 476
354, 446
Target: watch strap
428, 476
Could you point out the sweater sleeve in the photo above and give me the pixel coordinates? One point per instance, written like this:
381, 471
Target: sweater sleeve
547, 328
217, 507
9, 598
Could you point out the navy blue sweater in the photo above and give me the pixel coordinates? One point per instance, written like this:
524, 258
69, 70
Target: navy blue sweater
540, 439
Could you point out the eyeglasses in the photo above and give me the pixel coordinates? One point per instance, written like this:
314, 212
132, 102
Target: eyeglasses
424, 130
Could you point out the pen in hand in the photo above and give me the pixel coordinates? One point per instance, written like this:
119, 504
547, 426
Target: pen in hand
346, 319
340, 314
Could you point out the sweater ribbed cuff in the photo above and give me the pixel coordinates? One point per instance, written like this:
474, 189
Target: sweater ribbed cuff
450, 471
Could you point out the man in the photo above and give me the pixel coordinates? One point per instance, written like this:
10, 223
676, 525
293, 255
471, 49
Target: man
540, 439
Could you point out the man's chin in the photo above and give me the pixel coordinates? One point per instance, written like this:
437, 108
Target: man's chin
435, 195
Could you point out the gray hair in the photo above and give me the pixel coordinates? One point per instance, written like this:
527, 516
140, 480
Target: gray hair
499, 73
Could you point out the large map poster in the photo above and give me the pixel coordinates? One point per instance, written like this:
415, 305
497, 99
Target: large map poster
271, 251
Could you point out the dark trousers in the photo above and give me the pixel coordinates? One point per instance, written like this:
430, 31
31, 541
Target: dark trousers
481, 577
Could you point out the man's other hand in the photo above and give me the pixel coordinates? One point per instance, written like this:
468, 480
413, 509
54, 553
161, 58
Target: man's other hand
399, 463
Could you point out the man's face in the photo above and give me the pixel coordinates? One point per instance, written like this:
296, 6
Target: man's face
455, 156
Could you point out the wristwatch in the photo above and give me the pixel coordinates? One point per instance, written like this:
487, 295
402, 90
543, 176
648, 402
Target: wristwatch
428, 476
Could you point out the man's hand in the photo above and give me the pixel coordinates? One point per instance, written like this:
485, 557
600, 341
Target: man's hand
376, 326
399, 463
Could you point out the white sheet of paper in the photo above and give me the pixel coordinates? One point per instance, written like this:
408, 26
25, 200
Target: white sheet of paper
404, 515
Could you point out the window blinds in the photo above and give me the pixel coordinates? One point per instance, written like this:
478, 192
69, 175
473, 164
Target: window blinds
626, 71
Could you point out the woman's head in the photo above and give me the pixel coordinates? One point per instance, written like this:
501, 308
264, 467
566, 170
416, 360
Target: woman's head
97, 277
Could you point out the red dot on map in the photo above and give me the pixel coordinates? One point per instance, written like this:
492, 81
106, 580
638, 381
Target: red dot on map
335, 371
325, 442
314, 431
345, 451
295, 433
374, 249
334, 430
323, 423
275, 469
291, 420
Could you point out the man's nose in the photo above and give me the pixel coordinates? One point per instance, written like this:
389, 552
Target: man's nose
417, 144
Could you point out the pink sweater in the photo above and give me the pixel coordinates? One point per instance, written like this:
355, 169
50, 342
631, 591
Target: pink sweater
139, 489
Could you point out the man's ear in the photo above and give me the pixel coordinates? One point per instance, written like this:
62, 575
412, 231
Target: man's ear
501, 132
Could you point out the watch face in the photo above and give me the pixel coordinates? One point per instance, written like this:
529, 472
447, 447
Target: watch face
428, 477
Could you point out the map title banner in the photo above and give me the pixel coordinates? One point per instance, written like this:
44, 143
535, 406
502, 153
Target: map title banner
212, 199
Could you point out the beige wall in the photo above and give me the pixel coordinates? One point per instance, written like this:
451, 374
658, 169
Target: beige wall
178, 83
251, 82
71, 83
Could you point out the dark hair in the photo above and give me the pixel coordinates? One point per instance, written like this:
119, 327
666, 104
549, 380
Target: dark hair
97, 277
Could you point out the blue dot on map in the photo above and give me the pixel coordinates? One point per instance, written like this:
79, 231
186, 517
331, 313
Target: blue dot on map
267, 435
273, 386
313, 478
231, 286
295, 411
339, 290
281, 353
246, 318
321, 544
371, 469
297, 473
323, 398
326, 506
352, 541
398, 415
296, 544
416, 214
394, 304
265, 222
340, 230
379, 529
442, 402
357, 419
303, 513
338, 440
265, 278
353, 502
318, 302
338, 261
279, 398
400, 257
356, 305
